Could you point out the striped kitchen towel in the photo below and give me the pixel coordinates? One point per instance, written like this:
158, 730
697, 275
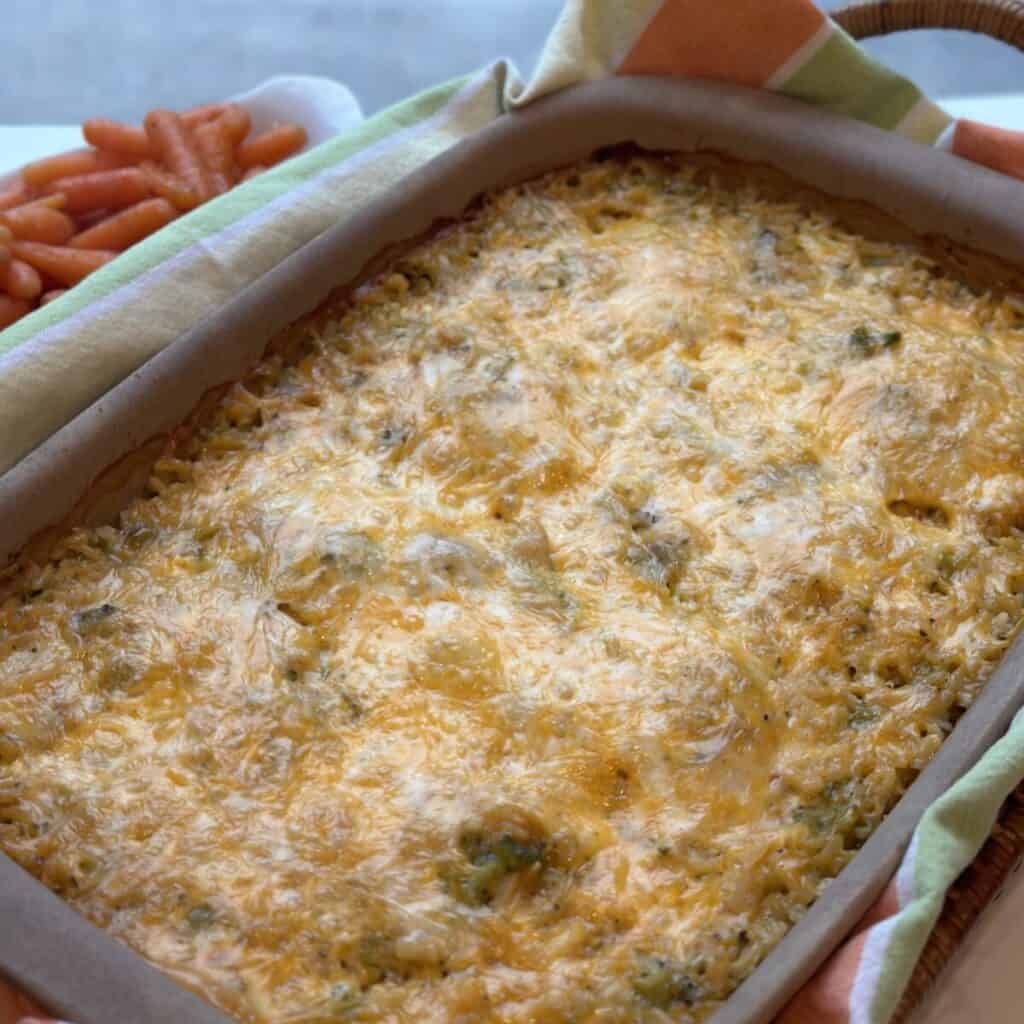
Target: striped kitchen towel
59, 360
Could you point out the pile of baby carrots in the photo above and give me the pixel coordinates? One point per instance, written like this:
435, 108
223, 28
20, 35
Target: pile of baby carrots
70, 214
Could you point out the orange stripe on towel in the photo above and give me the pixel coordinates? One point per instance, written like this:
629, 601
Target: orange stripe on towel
742, 41
825, 999
14, 1006
998, 148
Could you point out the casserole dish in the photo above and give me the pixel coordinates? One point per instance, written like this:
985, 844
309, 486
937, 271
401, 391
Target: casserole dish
88, 471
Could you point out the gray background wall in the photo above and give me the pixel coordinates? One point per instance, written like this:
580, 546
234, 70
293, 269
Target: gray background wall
63, 60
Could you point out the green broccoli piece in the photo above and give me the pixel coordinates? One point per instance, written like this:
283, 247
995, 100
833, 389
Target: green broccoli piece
825, 812
490, 862
862, 714
865, 341
662, 981
201, 917
342, 1000
90, 619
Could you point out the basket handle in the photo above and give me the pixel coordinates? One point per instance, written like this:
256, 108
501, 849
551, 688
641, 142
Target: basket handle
1001, 19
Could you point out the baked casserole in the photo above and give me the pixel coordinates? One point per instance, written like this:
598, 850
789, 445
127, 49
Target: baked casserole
537, 641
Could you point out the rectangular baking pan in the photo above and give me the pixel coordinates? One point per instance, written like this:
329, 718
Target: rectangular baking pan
961, 213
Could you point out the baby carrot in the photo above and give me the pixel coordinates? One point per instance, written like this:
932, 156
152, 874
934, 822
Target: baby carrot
216, 152
12, 309
111, 189
127, 227
14, 196
120, 138
19, 279
6, 235
174, 147
84, 221
62, 263
197, 115
35, 222
54, 293
253, 171
272, 146
236, 122
5, 253
55, 201
66, 165
170, 187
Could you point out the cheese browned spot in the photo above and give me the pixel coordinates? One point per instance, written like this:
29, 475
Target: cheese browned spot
540, 644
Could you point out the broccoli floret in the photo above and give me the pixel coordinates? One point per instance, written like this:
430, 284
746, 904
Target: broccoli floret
342, 1000
353, 555
490, 862
662, 981
662, 559
862, 714
201, 917
477, 884
826, 811
866, 341
89, 619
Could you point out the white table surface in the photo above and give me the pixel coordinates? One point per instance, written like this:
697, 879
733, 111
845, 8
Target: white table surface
983, 985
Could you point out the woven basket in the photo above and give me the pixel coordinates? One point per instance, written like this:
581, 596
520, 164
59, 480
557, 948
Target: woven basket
1001, 19
985, 877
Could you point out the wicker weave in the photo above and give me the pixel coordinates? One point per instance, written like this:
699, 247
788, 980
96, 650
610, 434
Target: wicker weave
973, 891
1001, 19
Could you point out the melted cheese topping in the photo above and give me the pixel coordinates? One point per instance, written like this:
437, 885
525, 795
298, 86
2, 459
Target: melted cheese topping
538, 645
